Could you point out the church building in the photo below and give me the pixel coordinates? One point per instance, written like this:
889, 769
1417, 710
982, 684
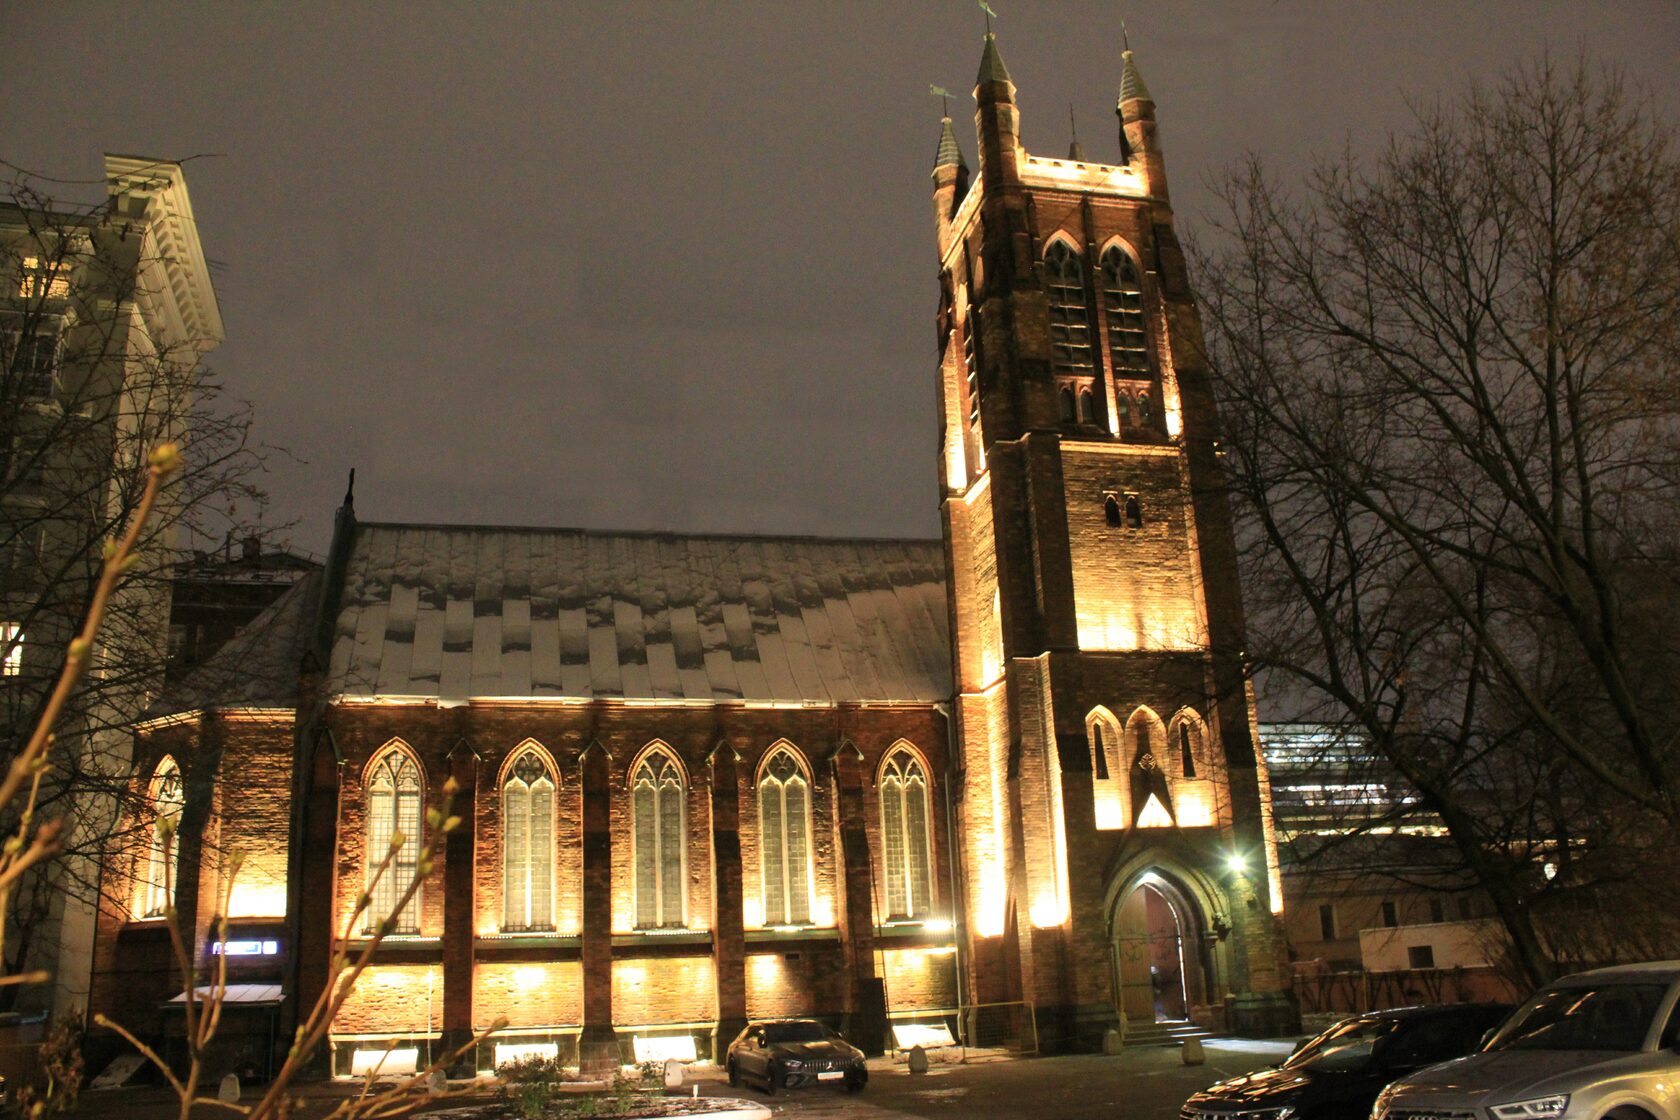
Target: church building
1004, 784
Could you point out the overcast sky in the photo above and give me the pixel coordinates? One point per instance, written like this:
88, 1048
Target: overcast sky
665, 265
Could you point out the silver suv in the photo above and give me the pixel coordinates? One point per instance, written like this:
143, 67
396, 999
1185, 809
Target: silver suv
1600, 1045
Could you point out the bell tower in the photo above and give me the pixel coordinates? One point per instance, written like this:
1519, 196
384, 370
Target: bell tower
1114, 825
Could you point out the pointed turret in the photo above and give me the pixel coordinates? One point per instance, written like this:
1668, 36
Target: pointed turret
1138, 143
992, 68
950, 178
996, 117
950, 152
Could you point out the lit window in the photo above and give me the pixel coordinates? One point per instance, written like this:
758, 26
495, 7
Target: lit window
165, 798
1070, 332
1128, 348
393, 806
11, 649
905, 833
528, 844
784, 826
51, 280
656, 809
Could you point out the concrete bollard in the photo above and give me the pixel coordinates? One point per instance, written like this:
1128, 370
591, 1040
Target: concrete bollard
228, 1092
437, 1083
1191, 1052
918, 1060
674, 1074
1111, 1041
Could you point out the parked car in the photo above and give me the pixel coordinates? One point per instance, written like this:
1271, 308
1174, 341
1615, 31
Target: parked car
1596, 1045
1338, 1074
789, 1053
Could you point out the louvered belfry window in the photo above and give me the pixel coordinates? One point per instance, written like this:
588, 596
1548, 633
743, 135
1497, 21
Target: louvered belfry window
784, 828
393, 807
656, 790
905, 836
1128, 347
1070, 325
528, 844
163, 857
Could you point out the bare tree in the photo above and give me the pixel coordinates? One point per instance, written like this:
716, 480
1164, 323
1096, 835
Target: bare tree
1449, 388
101, 358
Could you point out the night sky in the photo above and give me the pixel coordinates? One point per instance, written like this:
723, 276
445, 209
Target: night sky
662, 265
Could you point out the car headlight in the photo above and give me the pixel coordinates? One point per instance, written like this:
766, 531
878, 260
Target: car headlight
1383, 1098
795, 1063
1552, 1106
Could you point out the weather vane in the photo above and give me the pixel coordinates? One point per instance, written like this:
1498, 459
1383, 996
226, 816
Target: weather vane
990, 15
944, 96
1125, 39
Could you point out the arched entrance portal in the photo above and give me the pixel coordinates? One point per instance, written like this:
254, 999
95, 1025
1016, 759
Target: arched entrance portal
1160, 954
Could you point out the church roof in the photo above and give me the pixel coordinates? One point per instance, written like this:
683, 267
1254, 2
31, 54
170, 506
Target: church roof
470, 612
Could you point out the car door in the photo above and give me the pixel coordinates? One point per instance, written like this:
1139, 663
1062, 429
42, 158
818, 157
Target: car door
753, 1058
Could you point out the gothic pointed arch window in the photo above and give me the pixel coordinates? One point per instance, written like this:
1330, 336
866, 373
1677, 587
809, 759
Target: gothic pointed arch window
657, 789
906, 835
1087, 407
1146, 411
1128, 346
1134, 512
528, 789
1070, 321
165, 798
1187, 740
784, 831
394, 794
1104, 733
1064, 404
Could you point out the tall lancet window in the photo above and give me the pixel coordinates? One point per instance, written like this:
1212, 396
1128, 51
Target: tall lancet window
1128, 348
784, 829
394, 795
528, 843
165, 799
905, 836
1070, 324
656, 796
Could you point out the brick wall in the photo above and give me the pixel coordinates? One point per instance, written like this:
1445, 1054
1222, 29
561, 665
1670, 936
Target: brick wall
394, 998
528, 993
919, 979
663, 990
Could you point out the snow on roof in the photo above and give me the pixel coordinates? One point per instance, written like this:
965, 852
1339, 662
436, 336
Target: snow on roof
465, 612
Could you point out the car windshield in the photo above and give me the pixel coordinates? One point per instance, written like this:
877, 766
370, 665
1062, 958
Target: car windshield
795, 1032
1609, 1017
1345, 1046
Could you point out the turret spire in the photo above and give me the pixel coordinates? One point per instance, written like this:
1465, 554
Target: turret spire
950, 152
992, 68
1131, 82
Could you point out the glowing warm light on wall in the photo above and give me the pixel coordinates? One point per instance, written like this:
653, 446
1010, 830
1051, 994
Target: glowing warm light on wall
1048, 912
633, 975
940, 950
938, 925
257, 900
1154, 814
1195, 804
752, 913
1175, 420
530, 978
822, 912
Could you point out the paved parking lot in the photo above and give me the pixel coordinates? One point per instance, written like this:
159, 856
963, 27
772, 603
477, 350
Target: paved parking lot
1142, 1084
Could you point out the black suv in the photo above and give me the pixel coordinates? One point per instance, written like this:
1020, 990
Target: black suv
788, 1053
1338, 1074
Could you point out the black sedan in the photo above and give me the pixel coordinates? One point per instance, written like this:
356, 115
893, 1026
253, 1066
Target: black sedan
1338, 1074
789, 1053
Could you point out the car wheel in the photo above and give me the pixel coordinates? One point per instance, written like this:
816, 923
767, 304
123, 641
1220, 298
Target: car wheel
734, 1076
769, 1081
856, 1082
